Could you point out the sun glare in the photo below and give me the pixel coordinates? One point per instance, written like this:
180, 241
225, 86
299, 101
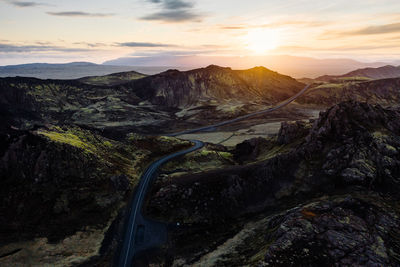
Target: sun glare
261, 41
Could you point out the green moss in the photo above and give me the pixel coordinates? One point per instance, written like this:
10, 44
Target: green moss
328, 86
68, 138
205, 152
354, 79
107, 144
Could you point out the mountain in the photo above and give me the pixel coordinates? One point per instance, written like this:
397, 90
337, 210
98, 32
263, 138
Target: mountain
385, 92
73, 70
384, 72
214, 84
113, 79
291, 65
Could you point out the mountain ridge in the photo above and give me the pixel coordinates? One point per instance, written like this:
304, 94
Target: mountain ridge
176, 88
295, 66
384, 72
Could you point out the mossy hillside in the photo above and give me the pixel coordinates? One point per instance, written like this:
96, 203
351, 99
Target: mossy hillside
78, 178
117, 156
384, 92
112, 79
208, 158
29, 101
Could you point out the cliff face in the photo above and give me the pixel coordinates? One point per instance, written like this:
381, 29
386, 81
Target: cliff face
343, 164
181, 89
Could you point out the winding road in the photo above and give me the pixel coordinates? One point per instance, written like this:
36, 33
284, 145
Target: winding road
142, 234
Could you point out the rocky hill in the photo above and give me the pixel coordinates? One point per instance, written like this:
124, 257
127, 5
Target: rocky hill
113, 111
385, 92
113, 79
62, 188
384, 72
324, 193
203, 86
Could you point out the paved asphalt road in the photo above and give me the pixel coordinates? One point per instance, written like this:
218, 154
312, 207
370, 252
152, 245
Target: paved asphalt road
141, 233
136, 231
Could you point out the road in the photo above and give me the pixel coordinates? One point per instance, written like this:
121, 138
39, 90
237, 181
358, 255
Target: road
141, 233
137, 224
214, 126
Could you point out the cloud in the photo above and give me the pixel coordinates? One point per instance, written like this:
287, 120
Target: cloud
173, 4
24, 3
340, 48
79, 14
144, 44
93, 45
172, 53
10, 48
297, 23
370, 30
173, 11
380, 29
173, 16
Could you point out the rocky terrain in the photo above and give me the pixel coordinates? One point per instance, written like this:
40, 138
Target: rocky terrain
113, 110
318, 192
385, 92
384, 72
62, 189
324, 192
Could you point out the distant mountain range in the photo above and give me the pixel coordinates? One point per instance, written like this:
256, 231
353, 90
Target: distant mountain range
372, 73
297, 67
294, 66
73, 70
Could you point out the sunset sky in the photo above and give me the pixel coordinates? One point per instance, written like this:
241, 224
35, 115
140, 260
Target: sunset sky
97, 31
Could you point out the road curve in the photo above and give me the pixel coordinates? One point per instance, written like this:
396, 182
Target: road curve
135, 226
135, 216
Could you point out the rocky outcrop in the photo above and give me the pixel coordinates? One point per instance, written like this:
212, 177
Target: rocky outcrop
249, 149
385, 92
290, 131
341, 230
337, 231
54, 183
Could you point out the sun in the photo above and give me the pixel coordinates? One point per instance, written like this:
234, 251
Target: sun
260, 41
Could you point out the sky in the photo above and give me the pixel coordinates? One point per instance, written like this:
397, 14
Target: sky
59, 31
